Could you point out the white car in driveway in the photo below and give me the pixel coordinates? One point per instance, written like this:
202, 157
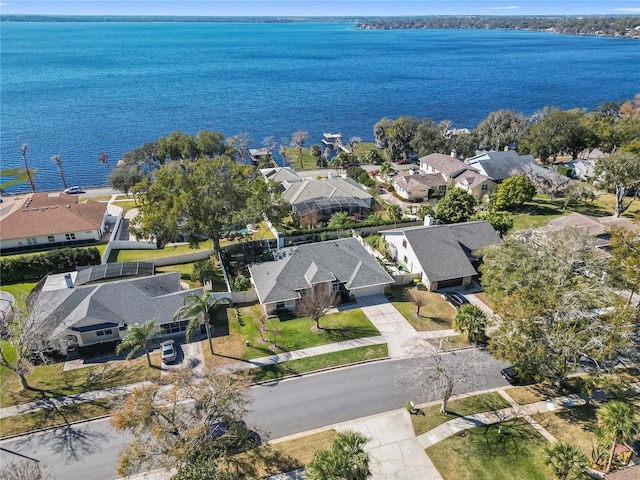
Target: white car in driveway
168, 352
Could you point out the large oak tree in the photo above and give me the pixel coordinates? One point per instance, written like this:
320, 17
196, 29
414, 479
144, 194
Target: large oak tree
555, 310
205, 198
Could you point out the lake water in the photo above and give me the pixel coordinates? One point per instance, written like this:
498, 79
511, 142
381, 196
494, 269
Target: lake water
77, 89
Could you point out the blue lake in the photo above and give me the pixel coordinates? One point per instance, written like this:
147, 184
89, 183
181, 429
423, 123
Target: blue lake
78, 89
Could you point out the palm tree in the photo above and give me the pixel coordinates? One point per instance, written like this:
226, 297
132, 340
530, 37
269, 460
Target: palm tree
57, 159
619, 423
345, 459
104, 159
23, 149
395, 213
470, 319
567, 461
198, 309
137, 337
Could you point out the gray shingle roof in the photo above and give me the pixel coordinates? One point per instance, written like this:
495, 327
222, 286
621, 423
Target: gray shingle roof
345, 260
126, 301
443, 250
500, 165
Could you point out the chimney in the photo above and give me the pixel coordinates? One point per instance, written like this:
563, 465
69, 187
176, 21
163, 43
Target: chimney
428, 220
67, 278
454, 153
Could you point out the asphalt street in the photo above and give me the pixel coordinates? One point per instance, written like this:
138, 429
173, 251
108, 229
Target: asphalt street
89, 451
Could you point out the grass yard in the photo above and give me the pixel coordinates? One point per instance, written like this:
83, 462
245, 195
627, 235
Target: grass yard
20, 291
318, 362
29, 422
232, 333
576, 425
186, 269
281, 457
51, 381
508, 451
542, 391
167, 251
437, 314
541, 210
432, 417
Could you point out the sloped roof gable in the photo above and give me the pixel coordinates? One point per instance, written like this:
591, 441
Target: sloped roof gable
345, 260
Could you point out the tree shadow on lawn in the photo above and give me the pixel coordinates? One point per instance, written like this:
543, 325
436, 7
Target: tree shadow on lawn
505, 439
347, 333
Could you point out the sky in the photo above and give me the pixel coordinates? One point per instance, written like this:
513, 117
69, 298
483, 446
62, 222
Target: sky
319, 7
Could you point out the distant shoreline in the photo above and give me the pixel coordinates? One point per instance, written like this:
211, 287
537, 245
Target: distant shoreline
613, 26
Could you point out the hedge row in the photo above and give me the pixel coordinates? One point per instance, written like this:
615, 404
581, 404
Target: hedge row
31, 268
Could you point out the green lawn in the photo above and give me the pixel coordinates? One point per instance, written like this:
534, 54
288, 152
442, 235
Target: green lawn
232, 332
46, 418
431, 417
318, 362
19, 291
506, 451
186, 269
51, 381
168, 251
542, 209
437, 314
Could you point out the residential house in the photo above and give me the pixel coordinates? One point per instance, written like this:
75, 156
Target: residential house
44, 220
597, 227
499, 166
414, 187
92, 313
584, 169
343, 265
457, 173
326, 196
280, 175
442, 254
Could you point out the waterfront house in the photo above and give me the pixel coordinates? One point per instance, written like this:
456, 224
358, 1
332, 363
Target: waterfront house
39, 221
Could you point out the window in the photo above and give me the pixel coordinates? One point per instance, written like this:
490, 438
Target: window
51, 238
279, 305
484, 187
70, 236
102, 333
32, 241
404, 243
335, 286
405, 260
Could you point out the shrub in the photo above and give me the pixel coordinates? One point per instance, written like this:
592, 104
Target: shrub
29, 268
203, 269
